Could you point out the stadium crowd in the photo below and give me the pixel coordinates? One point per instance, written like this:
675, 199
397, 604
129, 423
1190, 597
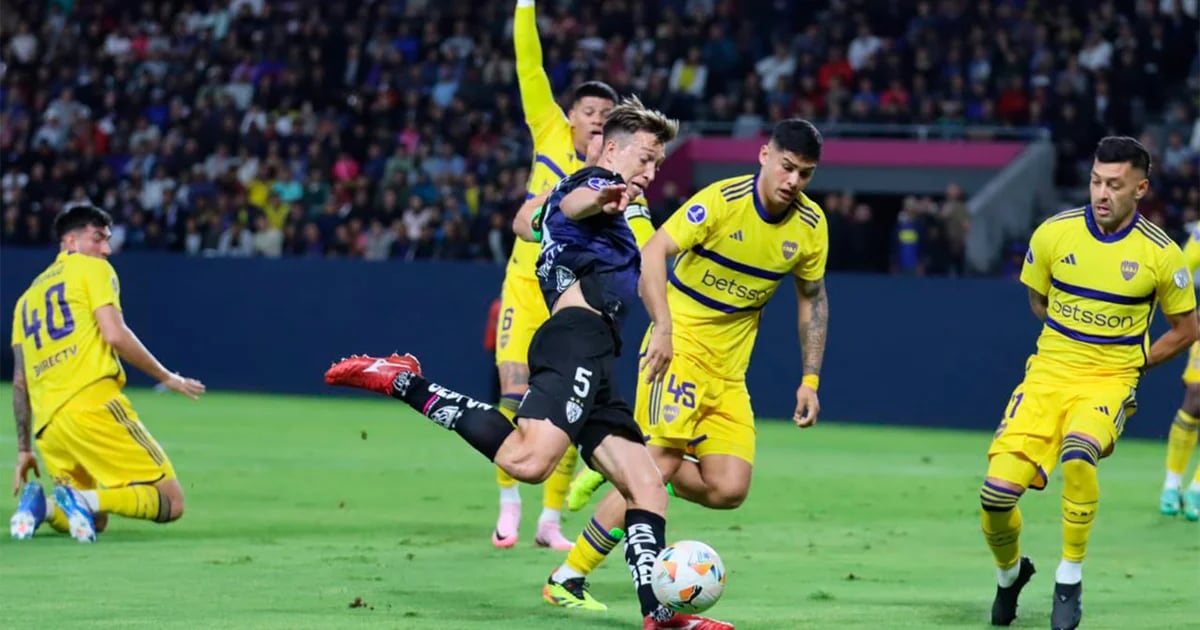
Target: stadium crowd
392, 129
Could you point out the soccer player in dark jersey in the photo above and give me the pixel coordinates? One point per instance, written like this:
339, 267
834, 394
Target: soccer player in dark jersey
588, 271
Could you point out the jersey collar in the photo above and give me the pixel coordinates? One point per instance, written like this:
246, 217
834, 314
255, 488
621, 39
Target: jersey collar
1108, 238
762, 210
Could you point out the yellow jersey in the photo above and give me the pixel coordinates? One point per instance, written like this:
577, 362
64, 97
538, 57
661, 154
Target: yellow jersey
732, 259
1102, 291
55, 325
554, 154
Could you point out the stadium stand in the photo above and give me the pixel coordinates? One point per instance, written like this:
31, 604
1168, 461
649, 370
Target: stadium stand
392, 130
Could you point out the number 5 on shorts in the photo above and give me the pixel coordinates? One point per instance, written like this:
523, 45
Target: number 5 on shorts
583, 382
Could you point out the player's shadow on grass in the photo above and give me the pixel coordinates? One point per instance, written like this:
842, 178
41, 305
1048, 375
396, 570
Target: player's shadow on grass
497, 605
974, 613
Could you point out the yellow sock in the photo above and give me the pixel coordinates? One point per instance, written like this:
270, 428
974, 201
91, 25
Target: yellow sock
508, 407
141, 502
1001, 520
554, 491
1181, 441
1081, 495
56, 518
592, 547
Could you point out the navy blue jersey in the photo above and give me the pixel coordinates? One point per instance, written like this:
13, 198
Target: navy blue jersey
599, 252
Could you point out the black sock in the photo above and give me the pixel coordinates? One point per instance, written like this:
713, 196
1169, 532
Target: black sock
645, 536
478, 423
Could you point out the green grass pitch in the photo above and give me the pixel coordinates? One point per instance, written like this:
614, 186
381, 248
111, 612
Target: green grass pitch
298, 506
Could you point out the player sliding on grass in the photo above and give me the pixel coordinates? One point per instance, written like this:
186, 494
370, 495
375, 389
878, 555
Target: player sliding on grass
734, 243
1094, 275
67, 334
588, 272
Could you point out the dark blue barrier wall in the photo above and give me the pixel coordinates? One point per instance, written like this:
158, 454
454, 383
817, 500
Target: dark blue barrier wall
901, 351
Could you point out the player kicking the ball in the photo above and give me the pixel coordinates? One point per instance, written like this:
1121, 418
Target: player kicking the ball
1094, 275
588, 271
734, 243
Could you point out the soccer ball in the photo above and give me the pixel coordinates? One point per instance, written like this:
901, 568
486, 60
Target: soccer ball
688, 577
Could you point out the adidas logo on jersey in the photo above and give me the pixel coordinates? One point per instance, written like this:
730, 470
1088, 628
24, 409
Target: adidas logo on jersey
737, 236
1102, 409
1069, 259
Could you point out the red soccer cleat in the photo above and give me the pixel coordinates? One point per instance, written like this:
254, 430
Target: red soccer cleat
370, 373
686, 622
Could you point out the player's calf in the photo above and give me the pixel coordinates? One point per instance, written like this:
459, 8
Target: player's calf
719, 482
532, 454
628, 465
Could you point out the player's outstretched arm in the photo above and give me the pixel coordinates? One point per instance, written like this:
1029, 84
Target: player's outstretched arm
527, 225
1038, 303
813, 324
537, 97
594, 198
653, 288
1185, 329
23, 415
118, 335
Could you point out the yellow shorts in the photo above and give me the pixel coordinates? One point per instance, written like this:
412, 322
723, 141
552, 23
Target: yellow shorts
695, 411
97, 441
522, 311
1041, 413
1191, 374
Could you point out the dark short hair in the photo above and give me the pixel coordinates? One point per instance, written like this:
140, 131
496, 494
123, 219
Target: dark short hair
79, 216
631, 117
798, 136
597, 89
1118, 149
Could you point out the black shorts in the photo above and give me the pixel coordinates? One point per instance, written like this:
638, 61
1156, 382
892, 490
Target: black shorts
570, 380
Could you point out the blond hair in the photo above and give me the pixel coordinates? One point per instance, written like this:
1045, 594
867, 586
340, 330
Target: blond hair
631, 116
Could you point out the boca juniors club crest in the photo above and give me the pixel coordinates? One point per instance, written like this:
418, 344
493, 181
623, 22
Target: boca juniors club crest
1129, 269
789, 249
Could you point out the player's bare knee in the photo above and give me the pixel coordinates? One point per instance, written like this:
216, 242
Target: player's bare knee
171, 503
1191, 401
727, 497
100, 522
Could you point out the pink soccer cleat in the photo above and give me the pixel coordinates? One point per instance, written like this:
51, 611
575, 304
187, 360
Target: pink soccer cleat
507, 526
549, 534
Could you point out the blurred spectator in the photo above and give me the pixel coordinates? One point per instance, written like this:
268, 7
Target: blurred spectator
393, 130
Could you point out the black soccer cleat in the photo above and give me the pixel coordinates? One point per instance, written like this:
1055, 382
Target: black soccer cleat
1068, 606
1004, 607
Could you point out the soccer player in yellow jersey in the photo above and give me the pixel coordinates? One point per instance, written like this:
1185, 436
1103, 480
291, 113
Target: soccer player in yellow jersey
734, 243
68, 332
1094, 276
1182, 439
560, 148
